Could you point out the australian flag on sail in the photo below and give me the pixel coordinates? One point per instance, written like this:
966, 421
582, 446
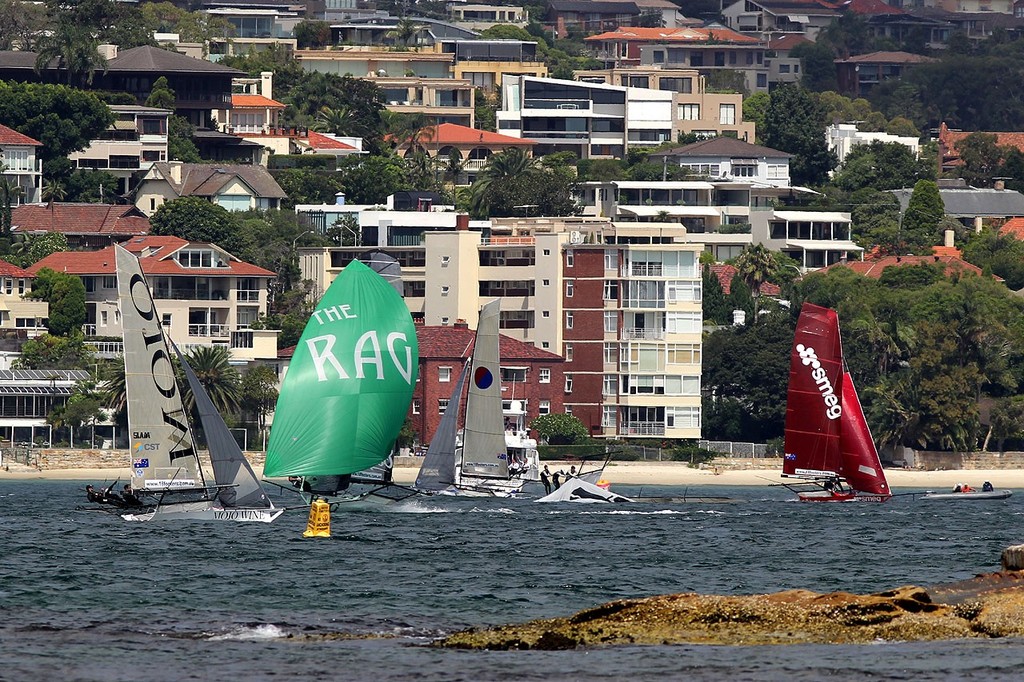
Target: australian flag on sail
140, 463
789, 457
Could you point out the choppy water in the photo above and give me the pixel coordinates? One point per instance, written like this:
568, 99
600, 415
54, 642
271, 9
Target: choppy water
86, 596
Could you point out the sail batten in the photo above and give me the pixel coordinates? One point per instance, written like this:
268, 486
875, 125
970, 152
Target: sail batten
484, 451
163, 451
350, 381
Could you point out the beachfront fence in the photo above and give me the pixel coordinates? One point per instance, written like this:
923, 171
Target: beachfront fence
734, 449
18, 455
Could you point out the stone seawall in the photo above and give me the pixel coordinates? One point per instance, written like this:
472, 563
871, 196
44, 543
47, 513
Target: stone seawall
939, 461
46, 458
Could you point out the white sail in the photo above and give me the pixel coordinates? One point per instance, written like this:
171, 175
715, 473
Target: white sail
484, 452
162, 448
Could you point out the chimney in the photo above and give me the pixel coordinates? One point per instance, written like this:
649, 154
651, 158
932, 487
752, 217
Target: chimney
339, 199
739, 318
267, 84
175, 167
461, 324
462, 222
107, 51
947, 238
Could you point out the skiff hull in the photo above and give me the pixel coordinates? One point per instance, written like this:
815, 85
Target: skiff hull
973, 495
200, 511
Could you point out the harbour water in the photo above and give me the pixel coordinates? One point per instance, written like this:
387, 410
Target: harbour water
87, 596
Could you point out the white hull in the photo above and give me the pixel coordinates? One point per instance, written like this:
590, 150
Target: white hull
974, 495
205, 511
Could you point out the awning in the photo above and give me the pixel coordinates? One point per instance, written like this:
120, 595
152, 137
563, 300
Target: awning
799, 18
822, 245
682, 211
124, 125
661, 185
812, 216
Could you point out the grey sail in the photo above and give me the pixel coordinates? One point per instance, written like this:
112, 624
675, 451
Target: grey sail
438, 469
163, 451
236, 481
484, 452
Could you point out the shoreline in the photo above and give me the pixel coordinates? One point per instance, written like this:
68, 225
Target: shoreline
617, 473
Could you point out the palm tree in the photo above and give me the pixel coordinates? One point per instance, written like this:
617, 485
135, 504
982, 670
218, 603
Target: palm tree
338, 121
505, 165
214, 371
53, 191
405, 30
9, 192
452, 167
755, 266
76, 50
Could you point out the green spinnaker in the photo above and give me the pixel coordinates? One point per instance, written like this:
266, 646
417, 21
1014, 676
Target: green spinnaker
350, 381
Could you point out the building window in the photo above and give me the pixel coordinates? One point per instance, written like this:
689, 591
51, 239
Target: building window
682, 417
545, 282
545, 344
416, 406
727, 114
444, 374
569, 258
684, 354
762, 80
783, 68
445, 260
568, 409
442, 405
683, 323
568, 319
568, 385
547, 252
569, 288
544, 375
611, 260
544, 407
683, 291
610, 353
568, 352
110, 282
608, 416
610, 385
611, 321
166, 321
545, 313
90, 284
611, 290
689, 112
103, 318
445, 290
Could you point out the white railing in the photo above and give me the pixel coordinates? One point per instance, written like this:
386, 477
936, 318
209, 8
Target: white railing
645, 269
642, 429
638, 333
89, 329
107, 349
248, 295
208, 330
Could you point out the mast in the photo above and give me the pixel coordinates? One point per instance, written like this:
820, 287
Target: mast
163, 451
438, 469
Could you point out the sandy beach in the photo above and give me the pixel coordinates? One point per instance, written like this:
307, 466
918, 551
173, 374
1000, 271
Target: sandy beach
624, 473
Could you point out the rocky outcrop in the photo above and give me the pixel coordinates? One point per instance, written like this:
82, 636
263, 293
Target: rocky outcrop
993, 607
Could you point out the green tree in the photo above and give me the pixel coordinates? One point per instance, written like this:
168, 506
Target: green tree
795, 123
919, 229
373, 179
560, 429
70, 46
740, 297
713, 302
22, 24
83, 406
55, 352
982, 158
180, 146
62, 119
196, 220
26, 249
819, 67
312, 35
755, 108
258, 392
1003, 255
881, 166
161, 95
192, 27
65, 295
219, 378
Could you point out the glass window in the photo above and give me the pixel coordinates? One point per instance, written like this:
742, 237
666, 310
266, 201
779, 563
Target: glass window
544, 375
416, 406
610, 353
727, 114
442, 405
689, 112
569, 287
444, 374
568, 389
608, 416
611, 290
611, 259
611, 321
569, 258
610, 384
568, 319
544, 407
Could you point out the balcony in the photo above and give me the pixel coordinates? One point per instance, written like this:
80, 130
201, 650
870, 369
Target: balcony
639, 334
248, 295
645, 269
642, 429
558, 104
89, 329
209, 330
107, 349
190, 294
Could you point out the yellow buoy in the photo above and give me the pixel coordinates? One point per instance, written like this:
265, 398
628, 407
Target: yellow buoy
319, 523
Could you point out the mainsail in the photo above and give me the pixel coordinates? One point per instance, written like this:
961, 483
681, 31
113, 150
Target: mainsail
438, 469
861, 466
163, 452
350, 381
814, 404
237, 484
484, 452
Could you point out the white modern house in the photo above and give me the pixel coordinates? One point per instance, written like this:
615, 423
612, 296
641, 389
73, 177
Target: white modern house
843, 137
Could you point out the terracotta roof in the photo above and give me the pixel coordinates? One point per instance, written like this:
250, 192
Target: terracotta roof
725, 272
674, 35
438, 343
12, 136
318, 141
82, 219
452, 133
950, 138
12, 270
1013, 227
207, 179
254, 102
873, 268
159, 261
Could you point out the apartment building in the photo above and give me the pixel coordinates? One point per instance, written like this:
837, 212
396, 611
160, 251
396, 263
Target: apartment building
806, 17
485, 63
132, 144
21, 166
697, 111
592, 120
205, 295
620, 302
20, 318
477, 17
